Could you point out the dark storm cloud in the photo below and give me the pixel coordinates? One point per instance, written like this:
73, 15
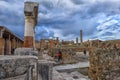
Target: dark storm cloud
12, 16
47, 5
84, 17
79, 2
110, 8
11, 19
65, 18
11, 13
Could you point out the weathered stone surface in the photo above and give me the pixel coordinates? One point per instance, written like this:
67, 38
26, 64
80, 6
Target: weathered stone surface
2, 72
26, 51
21, 77
105, 64
1, 46
11, 66
72, 66
57, 75
28, 40
45, 69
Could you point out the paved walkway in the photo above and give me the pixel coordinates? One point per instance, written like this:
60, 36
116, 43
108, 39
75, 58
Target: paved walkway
75, 75
72, 66
68, 76
21, 77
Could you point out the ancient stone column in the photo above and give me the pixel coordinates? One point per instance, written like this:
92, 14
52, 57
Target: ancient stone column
81, 40
31, 13
57, 40
77, 41
2, 41
8, 47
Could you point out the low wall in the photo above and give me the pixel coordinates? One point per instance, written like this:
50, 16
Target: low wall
24, 64
45, 69
26, 51
11, 66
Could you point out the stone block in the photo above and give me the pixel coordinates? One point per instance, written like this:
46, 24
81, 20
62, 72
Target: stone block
28, 39
45, 69
29, 8
26, 51
11, 66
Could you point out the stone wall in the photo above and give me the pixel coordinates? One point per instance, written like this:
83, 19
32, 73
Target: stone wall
11, 66
45, 69
26, 51
67, 51
105, 64
24, 66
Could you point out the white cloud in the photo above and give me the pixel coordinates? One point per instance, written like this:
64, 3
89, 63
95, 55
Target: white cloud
64, 18
109, 28
106, 25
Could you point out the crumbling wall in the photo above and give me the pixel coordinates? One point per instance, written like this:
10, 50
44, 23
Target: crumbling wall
105, 64
12, 66
70, 51
26, 51
24, 66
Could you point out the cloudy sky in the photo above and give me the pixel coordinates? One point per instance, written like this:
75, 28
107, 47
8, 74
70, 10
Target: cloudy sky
99, 19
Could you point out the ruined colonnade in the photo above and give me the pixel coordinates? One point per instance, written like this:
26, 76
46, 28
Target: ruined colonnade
8, 41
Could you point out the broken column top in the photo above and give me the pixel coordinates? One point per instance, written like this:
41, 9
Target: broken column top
31, 9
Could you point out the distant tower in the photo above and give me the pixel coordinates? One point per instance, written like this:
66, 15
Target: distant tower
77, 41
81, 40
31, 14
57, 40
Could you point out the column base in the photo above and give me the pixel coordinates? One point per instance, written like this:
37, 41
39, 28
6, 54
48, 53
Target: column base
28, 42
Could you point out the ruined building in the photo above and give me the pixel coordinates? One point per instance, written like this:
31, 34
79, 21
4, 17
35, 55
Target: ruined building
48, 43
67, 42
8, 41
24, 65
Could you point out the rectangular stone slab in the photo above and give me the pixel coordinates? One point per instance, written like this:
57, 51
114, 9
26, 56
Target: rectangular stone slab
11, 66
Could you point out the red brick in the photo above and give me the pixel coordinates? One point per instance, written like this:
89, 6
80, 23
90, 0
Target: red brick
28, 42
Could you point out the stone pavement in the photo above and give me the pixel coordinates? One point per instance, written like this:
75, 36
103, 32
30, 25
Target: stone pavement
72, 66
22, 77
57, 75
74, 75
68, 76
